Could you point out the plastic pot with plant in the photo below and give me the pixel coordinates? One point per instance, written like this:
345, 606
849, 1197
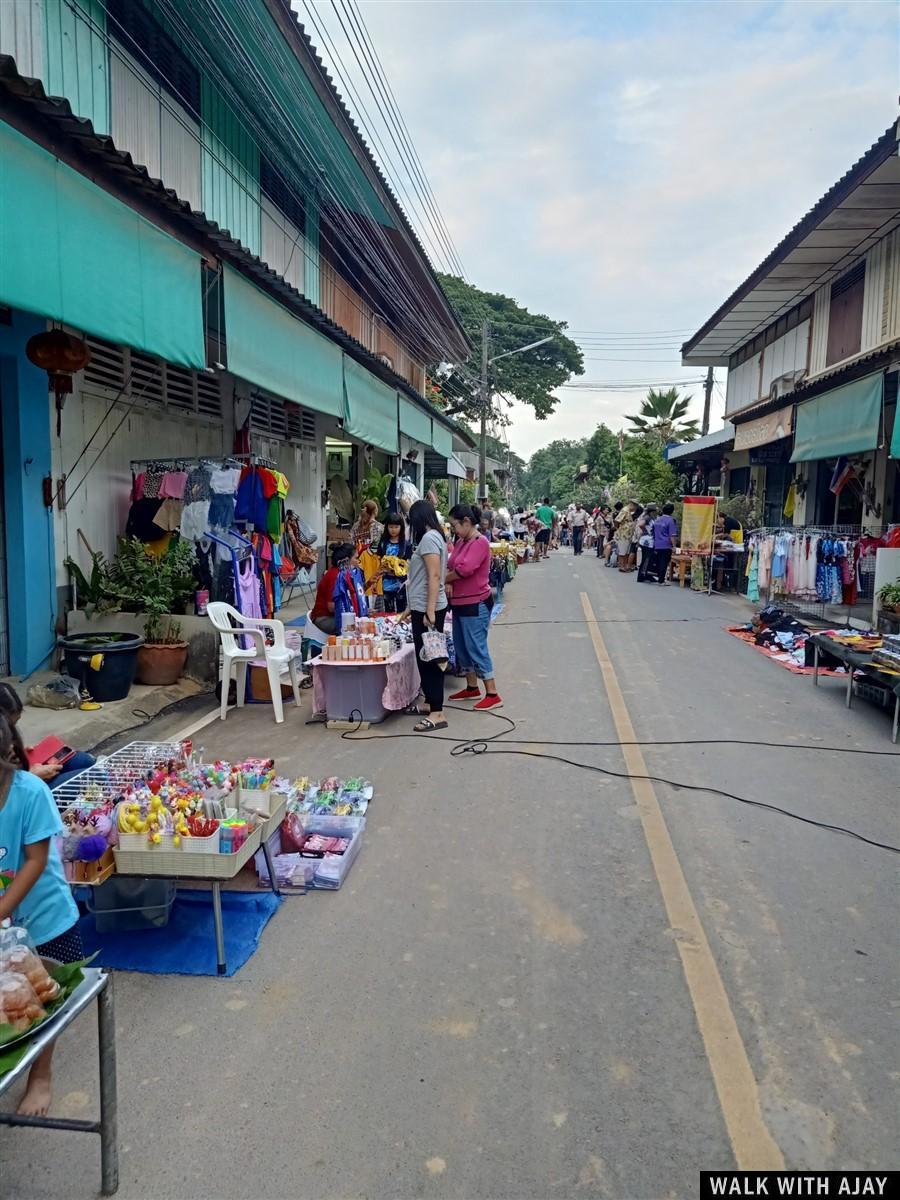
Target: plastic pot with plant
889, 597
156, 587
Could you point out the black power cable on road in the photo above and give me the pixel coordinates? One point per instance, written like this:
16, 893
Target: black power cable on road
487, 746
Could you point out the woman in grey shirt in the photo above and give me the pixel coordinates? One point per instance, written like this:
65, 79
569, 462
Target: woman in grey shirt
428, 605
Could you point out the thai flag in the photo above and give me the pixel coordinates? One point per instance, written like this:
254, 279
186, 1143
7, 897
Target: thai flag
843, 473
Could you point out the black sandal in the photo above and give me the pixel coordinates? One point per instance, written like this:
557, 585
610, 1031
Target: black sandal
429, 726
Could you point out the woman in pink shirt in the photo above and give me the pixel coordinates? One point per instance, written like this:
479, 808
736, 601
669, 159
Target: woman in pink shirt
468, 570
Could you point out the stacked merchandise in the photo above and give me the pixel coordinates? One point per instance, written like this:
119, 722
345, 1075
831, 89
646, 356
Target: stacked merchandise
321, 833
888, 653
32, 989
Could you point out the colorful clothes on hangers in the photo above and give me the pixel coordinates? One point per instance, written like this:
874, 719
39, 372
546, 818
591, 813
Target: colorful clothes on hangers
195, 520
224, 480
173, 485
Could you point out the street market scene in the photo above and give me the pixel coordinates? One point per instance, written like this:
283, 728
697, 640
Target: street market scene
446, 749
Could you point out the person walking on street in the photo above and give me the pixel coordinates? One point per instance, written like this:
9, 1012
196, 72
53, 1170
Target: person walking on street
578, 520
471, 602
602, 528
427, 600
665, 536
547, 518
644, 536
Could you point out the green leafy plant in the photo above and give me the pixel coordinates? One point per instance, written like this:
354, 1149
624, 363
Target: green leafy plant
889, 595
375, 487
663, 418
143, 583
92, 592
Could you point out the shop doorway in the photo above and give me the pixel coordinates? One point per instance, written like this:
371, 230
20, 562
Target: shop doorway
849, 506
778, 479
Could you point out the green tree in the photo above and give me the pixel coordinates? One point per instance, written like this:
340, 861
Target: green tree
662, 418
651, 476
602, 455
546, 462
530, 377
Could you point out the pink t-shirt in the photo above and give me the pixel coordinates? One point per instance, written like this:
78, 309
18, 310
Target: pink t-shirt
472, 563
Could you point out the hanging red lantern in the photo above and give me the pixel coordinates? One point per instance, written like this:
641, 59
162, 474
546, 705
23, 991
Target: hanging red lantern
60, 354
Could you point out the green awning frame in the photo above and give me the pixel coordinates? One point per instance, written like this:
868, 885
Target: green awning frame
846, 420
272, 348
442, 440
71, 252
370, 408
415, 423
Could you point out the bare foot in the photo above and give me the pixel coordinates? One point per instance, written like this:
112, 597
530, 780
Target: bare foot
36, 1101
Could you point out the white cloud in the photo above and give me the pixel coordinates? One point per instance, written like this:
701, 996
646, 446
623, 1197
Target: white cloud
624, 166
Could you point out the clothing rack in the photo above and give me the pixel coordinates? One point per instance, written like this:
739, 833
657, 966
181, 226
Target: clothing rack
227, 460
236, 558
817, 608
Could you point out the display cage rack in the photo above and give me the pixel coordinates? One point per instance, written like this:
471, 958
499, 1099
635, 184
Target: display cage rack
110, 775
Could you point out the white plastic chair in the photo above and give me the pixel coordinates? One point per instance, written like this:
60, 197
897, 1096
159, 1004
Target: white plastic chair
232, 626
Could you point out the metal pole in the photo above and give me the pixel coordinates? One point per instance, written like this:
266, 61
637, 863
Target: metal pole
220, 931
109, 1110
707, 399
484, 404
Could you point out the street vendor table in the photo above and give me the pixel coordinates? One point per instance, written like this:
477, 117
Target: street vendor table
97, 985
371, 689
857, 662
182, 865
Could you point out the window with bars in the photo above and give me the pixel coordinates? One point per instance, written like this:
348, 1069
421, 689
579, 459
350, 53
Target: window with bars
156, 52
281, 419
149, 382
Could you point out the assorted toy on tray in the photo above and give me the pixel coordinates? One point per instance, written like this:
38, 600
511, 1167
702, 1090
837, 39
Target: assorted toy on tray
332, 797
86, 848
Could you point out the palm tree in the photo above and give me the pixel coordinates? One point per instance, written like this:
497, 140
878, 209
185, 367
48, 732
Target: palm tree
662, 418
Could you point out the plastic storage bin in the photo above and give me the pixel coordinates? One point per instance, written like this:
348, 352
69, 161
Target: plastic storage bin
354, 693
122, 905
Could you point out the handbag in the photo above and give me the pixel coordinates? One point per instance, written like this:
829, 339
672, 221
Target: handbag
434, 645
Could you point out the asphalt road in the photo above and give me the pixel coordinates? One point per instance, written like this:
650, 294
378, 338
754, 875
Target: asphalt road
498, 1003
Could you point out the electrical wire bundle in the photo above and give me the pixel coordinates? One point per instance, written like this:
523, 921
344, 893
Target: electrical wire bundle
480, 747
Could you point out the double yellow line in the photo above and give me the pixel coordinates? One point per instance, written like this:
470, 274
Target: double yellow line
754, 1147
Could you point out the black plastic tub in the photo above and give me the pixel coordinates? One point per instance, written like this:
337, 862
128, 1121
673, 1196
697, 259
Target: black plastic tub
113, 679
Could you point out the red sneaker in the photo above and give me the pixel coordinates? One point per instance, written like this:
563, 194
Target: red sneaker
492, 701
467, 694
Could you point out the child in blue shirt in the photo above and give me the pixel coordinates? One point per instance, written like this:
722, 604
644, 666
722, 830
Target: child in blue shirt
33, 888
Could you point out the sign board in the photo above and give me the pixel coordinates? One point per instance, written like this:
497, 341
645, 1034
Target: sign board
766, 456
771, 428
698, 524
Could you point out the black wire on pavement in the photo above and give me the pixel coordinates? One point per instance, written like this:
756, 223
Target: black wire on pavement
486, 746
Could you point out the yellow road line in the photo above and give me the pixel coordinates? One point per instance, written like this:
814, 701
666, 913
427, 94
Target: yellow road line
754, 1147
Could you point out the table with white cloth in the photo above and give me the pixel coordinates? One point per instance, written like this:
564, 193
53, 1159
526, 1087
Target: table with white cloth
396, 680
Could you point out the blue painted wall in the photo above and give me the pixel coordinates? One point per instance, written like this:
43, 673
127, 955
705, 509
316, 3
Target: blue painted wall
31, 574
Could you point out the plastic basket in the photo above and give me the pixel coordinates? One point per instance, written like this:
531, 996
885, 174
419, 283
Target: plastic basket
187, 864
129, 905
257, 800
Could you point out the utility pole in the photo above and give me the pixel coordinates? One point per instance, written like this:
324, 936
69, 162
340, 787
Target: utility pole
484, 405
707, 387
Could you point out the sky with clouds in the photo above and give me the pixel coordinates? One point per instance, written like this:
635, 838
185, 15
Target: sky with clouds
623, 167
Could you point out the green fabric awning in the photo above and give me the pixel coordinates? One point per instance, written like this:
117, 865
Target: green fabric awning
895, 439
846, 420
370, 408
72, 252
442, 440
279, 352
414, 422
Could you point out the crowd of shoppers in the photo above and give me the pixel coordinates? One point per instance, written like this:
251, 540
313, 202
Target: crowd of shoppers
628, 535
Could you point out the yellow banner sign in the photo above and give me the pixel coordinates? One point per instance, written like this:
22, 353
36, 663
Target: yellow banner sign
698, 524
762, 431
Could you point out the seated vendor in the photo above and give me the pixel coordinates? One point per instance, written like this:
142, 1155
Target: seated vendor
53, 773
322, 614
728, 527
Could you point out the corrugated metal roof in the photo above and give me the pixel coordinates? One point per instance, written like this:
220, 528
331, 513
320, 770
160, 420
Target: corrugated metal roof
58, 111
844, 372
776, 286
721, 437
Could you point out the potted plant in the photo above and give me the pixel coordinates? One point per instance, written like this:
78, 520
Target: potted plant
157, 587
889, 597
